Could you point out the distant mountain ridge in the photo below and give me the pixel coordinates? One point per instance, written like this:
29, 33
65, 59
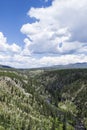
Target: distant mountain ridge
5, 66
71, 66
68, 66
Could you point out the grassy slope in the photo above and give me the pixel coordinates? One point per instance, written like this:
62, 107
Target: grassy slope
44, 100
18, 109
68, 90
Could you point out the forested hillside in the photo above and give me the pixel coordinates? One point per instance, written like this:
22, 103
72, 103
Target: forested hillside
43, 99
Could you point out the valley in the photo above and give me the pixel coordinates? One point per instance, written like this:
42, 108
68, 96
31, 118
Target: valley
43, 99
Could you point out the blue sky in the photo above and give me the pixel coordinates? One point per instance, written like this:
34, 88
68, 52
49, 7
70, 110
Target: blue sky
13, 14
36, 33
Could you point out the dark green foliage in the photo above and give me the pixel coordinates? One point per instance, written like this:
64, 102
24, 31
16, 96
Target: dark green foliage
43, 100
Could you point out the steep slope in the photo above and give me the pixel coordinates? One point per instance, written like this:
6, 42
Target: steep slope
43, 100
18, 109
22, 107
68, 90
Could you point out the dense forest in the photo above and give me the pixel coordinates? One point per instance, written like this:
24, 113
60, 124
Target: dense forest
41, 99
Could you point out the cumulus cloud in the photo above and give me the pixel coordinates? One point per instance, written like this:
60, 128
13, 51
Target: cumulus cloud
15, 56
63, 22
6, 48
58, 36
7, 51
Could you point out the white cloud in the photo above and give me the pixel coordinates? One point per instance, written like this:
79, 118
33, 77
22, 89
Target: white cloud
6, 48
58, 36
29, 62
15, 56
63, 22
7, 51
